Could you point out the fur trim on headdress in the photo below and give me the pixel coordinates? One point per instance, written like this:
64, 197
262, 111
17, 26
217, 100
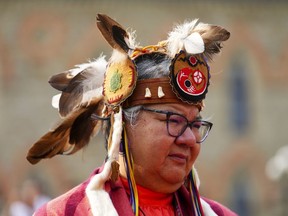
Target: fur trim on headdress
99, 199
95, 190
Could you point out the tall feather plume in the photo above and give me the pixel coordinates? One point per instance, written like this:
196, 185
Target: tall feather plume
177, 37
213, 36
79, 85
75, 131
122, 43
195, 38
115, 34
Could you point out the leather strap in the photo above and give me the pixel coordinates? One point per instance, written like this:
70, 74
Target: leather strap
138, 96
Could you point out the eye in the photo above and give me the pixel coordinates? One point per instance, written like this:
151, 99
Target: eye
197, 124
177, 119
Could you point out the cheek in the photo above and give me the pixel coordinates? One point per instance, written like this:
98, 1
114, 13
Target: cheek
149, 143
194, 153
142, 141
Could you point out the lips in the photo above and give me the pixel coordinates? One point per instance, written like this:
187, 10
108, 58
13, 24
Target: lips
178, 157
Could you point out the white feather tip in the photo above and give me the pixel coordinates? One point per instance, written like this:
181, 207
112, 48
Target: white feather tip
55, 101
194, 43
183, 37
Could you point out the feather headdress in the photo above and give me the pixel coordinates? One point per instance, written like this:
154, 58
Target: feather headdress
196, 38
80, 98
99, 90
79, 85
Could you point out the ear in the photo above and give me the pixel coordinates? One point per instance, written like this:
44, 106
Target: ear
113, 32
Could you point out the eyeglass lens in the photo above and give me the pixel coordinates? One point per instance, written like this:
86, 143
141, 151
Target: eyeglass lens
177, 124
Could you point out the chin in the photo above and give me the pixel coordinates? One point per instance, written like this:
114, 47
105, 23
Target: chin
176, 178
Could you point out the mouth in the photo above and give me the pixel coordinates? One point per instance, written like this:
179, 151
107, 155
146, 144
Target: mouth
178, 158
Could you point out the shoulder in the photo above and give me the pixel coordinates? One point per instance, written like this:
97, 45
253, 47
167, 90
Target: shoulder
219, 209
67, 204
73, 202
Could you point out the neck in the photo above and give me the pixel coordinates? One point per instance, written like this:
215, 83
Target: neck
156, 185
122, 169
147, 196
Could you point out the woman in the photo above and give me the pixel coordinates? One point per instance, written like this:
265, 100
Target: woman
149, 101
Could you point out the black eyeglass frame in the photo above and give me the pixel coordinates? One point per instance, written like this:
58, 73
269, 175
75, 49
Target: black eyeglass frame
188, 124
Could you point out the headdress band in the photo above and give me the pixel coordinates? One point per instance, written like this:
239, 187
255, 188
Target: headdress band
154, 91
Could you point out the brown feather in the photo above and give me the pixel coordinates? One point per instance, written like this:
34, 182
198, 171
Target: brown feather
60, 81
66, 83
68, 102
49, 145
76, 82
68, 132
84, 127
213, 36
113, 32
72, 95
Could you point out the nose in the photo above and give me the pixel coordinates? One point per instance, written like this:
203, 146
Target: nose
187, 138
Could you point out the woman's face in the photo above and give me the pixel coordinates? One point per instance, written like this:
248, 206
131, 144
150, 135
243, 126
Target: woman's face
162, 162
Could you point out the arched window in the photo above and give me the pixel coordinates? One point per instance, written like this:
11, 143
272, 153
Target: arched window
238, 90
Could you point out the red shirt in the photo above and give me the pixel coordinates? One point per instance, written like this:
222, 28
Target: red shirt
152, 203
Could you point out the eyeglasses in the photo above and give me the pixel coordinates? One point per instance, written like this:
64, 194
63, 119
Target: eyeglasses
177, 124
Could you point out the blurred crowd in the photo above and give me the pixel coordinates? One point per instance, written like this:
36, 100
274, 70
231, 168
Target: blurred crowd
25, 199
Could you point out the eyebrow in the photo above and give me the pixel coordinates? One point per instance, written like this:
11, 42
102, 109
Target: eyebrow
198, 117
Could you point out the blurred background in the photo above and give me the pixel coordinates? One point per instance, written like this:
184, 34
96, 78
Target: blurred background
243, 163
